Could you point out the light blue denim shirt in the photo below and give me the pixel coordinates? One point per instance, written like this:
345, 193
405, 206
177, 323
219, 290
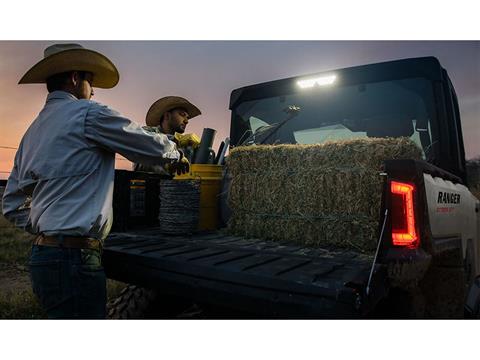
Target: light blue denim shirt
153, 168
63, 173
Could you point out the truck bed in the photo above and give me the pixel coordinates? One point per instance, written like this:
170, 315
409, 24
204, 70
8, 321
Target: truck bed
263, 278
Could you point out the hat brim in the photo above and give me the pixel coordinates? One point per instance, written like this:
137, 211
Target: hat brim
163, 105
105, 74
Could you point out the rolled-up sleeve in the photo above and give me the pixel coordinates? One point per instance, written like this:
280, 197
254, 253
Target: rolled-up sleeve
113, 132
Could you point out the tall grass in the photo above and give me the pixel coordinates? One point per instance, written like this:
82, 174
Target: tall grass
15, 244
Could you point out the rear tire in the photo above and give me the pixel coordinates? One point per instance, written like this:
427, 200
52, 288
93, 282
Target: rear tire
439, 294
132, 303
135, 302
400, 304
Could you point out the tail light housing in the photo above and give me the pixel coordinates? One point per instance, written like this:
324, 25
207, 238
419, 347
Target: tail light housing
404, 227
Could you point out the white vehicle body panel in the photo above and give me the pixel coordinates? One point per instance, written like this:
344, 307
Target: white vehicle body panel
452, 212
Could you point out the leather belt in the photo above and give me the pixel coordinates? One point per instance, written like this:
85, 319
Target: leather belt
68, 242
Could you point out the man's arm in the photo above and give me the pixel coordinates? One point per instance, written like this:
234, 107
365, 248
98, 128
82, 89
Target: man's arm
157, 169
15, 204
115, 133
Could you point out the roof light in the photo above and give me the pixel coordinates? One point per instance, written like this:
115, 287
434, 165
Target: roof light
403, 216
319, 81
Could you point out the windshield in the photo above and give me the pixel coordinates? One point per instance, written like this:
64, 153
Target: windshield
393, 108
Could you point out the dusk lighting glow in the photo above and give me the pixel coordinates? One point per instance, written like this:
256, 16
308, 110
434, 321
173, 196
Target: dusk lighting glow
319, 81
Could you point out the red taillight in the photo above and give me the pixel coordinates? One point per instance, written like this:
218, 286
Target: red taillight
403, 216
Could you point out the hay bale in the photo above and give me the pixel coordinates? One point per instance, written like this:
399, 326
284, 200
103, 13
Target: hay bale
318, 195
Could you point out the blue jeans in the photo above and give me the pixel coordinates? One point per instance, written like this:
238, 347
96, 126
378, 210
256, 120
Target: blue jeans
69, 283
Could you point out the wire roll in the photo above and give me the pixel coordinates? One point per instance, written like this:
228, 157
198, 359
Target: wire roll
179, 206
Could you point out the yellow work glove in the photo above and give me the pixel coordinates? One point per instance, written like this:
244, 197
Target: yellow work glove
180, 167
185, 140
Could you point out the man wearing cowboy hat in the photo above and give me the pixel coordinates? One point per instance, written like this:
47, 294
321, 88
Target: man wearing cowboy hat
61, 184
170, 115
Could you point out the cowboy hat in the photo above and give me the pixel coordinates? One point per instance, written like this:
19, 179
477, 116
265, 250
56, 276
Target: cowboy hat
60, 58
168, 103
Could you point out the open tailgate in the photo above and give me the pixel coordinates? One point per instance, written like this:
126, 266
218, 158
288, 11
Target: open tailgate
264, 278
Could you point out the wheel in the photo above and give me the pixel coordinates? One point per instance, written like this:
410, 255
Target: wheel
444, 290
136, 302
133, 303
400, 304
438, 294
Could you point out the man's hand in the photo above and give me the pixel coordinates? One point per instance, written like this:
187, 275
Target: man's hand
180, 167
185, 140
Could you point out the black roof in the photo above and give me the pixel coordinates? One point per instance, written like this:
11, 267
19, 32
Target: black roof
427, 67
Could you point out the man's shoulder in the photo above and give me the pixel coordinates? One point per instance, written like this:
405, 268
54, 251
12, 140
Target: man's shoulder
97, 107
91, 103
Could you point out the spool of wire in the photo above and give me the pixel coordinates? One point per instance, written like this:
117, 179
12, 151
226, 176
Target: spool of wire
179, 206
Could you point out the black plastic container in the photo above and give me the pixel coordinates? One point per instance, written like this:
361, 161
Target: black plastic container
136, 200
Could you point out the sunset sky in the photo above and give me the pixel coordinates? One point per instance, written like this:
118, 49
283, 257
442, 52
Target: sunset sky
207, 71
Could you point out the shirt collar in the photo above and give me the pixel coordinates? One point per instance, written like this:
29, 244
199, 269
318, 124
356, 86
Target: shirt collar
59, 94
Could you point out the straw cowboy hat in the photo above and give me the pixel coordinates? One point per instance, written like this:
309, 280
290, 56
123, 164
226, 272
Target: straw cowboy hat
168, 103
60, 58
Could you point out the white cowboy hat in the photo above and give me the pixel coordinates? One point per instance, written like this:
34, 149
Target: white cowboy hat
60, 58
168, 103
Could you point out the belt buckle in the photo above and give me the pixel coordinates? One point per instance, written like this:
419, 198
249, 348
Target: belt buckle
38, 239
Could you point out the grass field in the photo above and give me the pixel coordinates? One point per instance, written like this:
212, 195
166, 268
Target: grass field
17, 300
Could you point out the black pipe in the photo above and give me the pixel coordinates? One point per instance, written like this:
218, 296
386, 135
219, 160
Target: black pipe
204, 152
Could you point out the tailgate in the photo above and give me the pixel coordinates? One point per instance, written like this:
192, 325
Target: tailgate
264, 278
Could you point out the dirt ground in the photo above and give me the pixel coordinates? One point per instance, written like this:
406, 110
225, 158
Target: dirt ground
17, 300
14, 278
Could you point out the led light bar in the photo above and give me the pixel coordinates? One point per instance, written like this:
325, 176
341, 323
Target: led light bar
319, 81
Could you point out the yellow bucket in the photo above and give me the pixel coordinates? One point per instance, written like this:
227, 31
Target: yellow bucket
210, 177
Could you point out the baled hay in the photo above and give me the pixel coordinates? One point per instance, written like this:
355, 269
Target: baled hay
317, 195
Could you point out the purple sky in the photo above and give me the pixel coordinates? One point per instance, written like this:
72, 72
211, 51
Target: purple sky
207, 71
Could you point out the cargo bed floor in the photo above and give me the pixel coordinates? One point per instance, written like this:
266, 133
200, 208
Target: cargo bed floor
262, 277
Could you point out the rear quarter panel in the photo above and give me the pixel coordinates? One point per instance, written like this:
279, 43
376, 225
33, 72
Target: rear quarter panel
453, 213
